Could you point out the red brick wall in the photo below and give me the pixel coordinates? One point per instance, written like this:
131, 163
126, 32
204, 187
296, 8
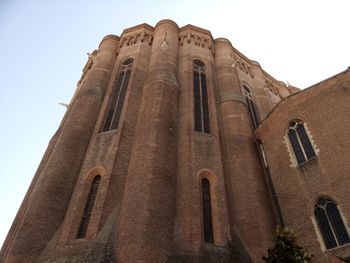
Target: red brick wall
324, 108
148, 206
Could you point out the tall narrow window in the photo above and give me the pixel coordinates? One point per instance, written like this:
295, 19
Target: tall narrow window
201, 106
207, 216
89, 207
251, 106
330, 223
118, 95
300, 142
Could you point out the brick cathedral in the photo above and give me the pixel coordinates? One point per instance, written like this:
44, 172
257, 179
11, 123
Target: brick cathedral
178, 148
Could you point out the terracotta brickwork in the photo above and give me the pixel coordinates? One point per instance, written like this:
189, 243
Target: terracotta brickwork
148, 206
323, 108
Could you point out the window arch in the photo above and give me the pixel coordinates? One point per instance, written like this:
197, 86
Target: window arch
300, 142
89, 207
118, 96
251, 106
330, 224
201, 106
207, 213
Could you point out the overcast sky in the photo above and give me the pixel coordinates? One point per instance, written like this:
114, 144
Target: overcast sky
44, 44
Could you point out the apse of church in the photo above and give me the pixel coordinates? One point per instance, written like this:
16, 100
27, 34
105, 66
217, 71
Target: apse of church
178, 148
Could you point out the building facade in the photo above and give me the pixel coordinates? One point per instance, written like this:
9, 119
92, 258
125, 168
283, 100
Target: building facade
178, 148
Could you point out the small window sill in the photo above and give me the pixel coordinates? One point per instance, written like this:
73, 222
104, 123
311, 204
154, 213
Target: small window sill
338, 247
78, 241
307, 163
108, 132
220, 253
203, 133
342, 252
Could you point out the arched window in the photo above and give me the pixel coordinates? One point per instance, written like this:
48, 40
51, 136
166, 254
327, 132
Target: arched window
300, 142
207, 215
330, 223
89, 207
201, 107
118, 95
251, 106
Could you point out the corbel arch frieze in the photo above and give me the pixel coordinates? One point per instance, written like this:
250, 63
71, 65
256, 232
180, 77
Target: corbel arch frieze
243, 66
196, 39
271, 87
136, 38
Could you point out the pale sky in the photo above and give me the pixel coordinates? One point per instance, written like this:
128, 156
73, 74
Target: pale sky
44, 44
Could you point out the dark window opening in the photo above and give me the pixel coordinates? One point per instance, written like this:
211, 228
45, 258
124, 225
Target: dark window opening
304, 139
207, 214
89, 207
330, 224
300, 142
118, 96
251, 107
200, 94
293, 138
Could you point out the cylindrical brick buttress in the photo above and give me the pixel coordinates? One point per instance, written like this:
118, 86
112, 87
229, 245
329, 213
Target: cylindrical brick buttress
249, 206
50, 197
148, 206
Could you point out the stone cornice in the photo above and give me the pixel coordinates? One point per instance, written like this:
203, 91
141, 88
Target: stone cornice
303, 92
197, 36
245, 65
135, 36
198, 29
271, 86
138, 27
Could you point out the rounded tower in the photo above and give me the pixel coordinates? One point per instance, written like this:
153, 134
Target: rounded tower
249, 206
148, 206
50, 196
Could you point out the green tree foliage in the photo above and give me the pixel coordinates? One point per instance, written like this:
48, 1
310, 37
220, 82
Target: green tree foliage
286, 249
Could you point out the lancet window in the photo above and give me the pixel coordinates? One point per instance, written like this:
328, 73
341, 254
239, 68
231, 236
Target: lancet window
330, 224
207, 213
118, 96
300, 142
251, 106
201, 106
89, 207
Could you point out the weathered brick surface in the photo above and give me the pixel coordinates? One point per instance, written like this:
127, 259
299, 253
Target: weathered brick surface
149, 206
324, 108
147, 211
249, 206
198, 154
52, 192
